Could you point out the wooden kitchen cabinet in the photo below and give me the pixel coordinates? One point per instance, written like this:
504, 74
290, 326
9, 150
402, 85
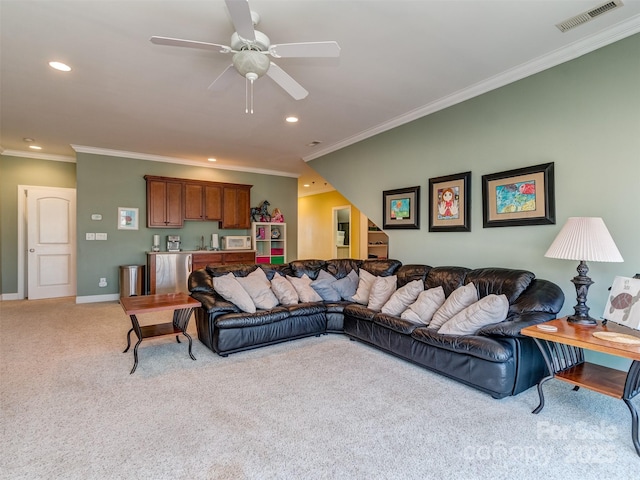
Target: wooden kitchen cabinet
164, 203
236, 209
202, 259
202, 201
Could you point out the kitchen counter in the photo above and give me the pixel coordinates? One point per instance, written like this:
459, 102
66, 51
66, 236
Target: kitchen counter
169, 271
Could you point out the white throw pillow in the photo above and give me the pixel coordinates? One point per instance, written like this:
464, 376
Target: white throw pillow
259, 289
283, 290
304, 289
402, 298
488, 310
459, 299
381, 291
231, 290
364, 287
427, 303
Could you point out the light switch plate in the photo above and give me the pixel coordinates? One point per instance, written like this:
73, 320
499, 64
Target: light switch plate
90, 236
96, 216
101, 236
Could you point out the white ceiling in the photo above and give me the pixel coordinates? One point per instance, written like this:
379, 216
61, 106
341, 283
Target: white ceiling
399, 60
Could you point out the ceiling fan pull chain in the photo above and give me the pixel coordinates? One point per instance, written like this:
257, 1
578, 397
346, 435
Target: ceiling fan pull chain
246, 95
251, 96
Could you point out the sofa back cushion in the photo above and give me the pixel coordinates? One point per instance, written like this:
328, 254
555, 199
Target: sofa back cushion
340, 267
200, 281
409, 273
500, 281
449, 278
271, 269
238, 270
381, 268
310, 268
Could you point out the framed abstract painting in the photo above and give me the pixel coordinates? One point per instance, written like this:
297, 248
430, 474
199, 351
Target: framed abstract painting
401, 208
525, 196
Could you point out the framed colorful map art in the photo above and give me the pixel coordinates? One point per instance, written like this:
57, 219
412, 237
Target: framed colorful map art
401, 208
524, 196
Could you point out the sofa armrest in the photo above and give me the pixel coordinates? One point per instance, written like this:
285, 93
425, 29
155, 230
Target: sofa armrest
511, 328
211, 304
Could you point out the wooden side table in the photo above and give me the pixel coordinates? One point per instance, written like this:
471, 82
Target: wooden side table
563, 352
182, 306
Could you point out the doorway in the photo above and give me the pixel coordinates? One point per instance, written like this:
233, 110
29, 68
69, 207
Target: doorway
46, 242
342, 232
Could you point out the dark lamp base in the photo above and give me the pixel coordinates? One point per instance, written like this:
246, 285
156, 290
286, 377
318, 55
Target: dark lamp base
585, 321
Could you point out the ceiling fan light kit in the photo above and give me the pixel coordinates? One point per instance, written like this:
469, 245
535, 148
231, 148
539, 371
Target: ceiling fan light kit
250, 49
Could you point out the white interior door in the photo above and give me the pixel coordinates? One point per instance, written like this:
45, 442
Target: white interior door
51, 244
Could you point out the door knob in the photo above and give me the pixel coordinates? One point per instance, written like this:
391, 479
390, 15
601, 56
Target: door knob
32, 249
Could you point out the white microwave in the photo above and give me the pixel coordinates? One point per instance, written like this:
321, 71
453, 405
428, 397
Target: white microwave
236, 242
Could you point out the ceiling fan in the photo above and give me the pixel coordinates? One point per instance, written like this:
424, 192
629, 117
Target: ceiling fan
250, 49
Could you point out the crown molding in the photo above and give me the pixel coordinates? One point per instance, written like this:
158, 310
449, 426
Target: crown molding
38, 156
174, 160
572, 51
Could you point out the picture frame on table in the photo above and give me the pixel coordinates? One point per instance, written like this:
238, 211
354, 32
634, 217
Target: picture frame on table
401, 208
450, 203
623, 302
524, 196
127, 218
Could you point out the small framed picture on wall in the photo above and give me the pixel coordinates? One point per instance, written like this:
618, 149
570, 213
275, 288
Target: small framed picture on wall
401, 208
450, 203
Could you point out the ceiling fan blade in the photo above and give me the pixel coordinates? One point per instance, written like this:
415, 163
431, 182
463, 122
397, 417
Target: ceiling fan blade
241, 18
224, 79
308, 49
177, 42
287, 83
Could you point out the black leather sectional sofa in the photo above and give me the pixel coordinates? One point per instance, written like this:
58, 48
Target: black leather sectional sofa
496, 359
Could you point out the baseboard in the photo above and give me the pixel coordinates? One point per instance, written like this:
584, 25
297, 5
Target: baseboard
10, 296
98, 298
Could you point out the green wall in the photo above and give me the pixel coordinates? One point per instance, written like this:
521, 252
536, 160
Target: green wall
16, 171
583, 115
106, 183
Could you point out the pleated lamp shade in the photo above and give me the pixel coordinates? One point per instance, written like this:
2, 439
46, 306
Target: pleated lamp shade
584, 239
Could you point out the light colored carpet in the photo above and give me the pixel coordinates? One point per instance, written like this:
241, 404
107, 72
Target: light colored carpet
317, 408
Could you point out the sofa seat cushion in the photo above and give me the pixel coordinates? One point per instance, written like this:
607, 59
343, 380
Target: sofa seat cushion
360, 312
396, 324
304, 309
336, 307
261, 317
481, 347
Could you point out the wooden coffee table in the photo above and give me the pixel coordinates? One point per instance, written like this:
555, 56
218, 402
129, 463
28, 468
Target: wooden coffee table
182, 306
563, 352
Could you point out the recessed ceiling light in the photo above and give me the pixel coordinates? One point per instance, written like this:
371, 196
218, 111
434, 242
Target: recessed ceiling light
306, 185
60, 66
35, 147
28, 139
291, 119
212, 159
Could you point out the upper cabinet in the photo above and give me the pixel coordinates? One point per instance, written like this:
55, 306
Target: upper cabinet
170, 201
236, 209
164, 202
202, 201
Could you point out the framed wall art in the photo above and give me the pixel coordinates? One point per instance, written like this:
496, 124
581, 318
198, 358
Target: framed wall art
401, 208
127, 218
449, 203
524, 196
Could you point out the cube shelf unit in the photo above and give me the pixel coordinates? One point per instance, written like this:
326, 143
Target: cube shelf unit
270, 242
377, 242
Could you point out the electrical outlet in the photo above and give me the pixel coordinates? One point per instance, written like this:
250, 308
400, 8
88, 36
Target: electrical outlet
90, 236
102, 282
101, 236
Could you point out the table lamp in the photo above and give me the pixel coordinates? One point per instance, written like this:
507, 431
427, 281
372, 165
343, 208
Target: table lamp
584, 239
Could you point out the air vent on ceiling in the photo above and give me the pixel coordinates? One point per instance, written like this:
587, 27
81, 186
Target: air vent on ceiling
578, 20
